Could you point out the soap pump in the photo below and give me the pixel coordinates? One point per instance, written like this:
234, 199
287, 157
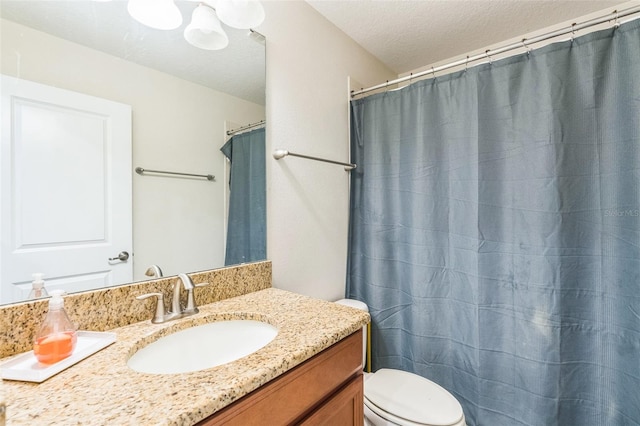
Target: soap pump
37, 287
56, 338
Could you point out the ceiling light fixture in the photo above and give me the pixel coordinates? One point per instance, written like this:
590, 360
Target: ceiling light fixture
158, 14
205, 30
242, 14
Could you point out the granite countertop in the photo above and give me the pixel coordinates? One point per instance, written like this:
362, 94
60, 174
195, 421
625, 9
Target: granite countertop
102, 389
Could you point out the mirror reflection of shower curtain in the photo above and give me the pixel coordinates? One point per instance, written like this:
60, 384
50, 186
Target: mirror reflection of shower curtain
246, 228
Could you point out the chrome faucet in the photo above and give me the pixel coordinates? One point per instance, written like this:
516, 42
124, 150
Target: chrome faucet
191, 307
161, 315
176, 308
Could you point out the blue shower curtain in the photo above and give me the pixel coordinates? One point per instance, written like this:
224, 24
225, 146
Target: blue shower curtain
246, 229
495, 232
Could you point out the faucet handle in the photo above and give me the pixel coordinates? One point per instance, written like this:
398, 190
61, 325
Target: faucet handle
191, 307
159, 315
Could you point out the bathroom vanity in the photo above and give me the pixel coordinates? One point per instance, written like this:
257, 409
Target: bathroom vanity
325, 390
311, 373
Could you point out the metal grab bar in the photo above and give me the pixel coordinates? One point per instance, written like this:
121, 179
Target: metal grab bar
140, 171
281, 153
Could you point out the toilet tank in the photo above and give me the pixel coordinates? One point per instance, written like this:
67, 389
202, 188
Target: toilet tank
363, 307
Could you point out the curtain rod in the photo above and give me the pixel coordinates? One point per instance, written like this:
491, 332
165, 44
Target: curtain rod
247, 127
280, 153
615, 15
141, 171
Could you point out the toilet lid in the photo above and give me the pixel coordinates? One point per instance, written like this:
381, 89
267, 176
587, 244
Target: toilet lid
412, 397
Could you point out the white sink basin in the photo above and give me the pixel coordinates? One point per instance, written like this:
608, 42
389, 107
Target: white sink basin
201, 347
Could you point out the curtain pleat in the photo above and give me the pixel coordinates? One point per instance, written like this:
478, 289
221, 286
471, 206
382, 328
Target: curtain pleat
495, 232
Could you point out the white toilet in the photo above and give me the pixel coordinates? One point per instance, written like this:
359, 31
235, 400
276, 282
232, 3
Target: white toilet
395, 397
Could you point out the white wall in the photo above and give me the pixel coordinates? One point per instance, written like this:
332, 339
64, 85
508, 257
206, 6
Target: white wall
177, 126
309, 61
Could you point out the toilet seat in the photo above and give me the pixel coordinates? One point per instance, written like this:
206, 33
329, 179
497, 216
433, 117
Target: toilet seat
409, 400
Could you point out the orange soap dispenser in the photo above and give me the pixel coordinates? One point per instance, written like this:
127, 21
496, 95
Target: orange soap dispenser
56, 338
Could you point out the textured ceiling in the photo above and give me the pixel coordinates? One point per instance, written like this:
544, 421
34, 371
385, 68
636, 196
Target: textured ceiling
238, 70
406, 35
403, 34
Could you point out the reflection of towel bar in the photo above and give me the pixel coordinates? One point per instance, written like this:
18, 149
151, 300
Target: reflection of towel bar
140, 171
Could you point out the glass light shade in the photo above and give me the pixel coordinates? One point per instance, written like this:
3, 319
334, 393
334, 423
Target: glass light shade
243, 14
205, 30
159, 14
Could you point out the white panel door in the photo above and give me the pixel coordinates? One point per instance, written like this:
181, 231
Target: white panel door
65, 189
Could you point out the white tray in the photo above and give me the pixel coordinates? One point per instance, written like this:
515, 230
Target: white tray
26, 367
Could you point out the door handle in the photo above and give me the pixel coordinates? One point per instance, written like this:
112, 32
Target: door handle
122, 257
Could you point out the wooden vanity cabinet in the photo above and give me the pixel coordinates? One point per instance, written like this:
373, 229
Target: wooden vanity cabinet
324, 390
345, 407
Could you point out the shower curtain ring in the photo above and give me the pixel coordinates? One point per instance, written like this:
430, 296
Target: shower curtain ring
489, 56
525, 46
573, 31
616, 23
466, 64
433, 71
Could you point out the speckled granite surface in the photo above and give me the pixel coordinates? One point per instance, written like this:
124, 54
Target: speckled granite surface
112, 307
102, 390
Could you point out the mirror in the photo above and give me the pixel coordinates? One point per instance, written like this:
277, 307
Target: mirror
183, 100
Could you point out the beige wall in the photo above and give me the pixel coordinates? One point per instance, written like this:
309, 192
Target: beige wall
177, 125
309, 61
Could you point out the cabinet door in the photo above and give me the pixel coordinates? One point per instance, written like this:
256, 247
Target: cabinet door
344, 408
